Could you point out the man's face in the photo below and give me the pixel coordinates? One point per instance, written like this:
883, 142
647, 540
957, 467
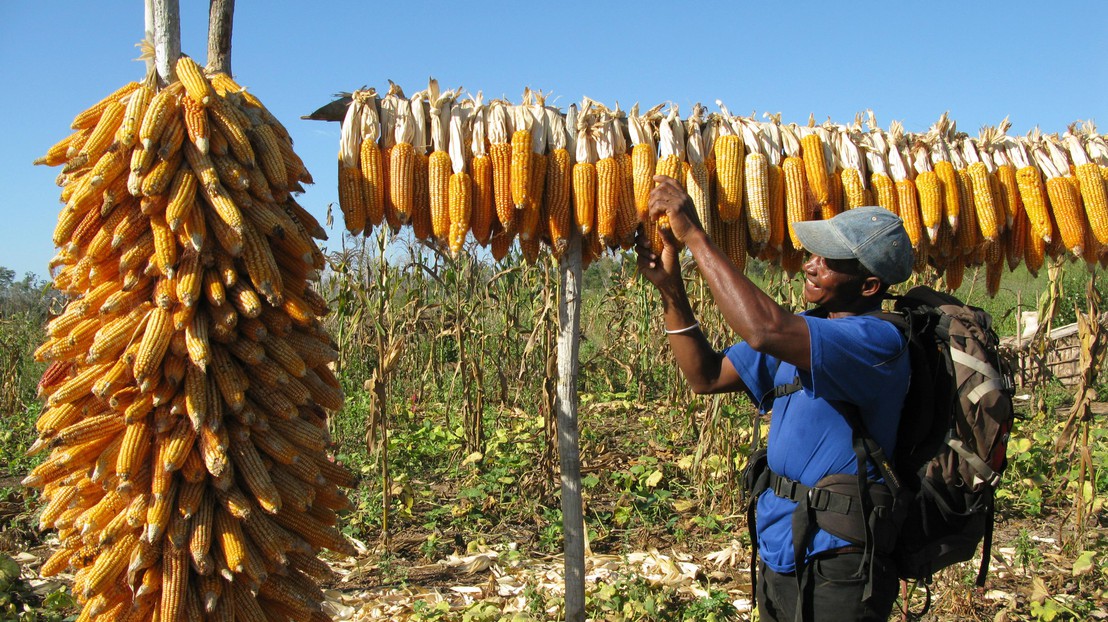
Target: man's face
832, 282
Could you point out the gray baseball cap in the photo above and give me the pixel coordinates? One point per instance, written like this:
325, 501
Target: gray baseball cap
871, 234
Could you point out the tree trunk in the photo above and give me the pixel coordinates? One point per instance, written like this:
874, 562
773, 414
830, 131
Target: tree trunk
220, 21
569, 452
167, 38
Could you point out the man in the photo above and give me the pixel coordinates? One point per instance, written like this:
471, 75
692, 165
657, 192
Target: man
817, 370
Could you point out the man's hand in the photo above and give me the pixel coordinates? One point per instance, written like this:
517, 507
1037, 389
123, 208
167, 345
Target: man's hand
669, 198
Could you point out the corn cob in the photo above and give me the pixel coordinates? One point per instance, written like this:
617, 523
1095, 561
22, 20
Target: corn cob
853, 174
816, 153
372, 165
643, 157
697, 182
730, 155
607, 183
946, 172
671, 147
755, 186
557, 195
1093, 194
522, 156
1065, 200
984, 203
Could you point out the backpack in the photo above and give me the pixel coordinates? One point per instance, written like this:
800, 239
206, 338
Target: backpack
936, 504
953, 437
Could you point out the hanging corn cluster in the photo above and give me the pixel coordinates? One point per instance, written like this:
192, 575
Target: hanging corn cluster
966, 200
188, 475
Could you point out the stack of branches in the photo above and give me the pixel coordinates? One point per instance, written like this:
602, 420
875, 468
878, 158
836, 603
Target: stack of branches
454, 167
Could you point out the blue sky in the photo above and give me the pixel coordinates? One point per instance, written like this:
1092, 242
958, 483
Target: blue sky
1043, 64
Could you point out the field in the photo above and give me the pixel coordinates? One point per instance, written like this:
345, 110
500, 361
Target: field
448, 371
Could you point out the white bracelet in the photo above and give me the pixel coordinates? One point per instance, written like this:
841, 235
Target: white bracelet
695, 325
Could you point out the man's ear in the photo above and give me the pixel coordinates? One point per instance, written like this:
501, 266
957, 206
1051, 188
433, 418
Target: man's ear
871, 286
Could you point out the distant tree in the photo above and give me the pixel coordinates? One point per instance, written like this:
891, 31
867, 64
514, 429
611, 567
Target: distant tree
30, 296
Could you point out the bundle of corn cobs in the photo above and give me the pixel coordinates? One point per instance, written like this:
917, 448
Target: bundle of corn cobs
500, 171
185, 398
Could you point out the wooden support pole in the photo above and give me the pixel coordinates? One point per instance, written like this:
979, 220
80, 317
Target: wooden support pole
569, 449
220, 21
167, 38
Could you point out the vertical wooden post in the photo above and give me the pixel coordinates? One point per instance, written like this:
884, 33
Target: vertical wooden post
167, 38
569, 450
220, 21
148, 30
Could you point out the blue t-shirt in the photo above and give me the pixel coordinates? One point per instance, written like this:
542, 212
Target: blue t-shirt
861, 360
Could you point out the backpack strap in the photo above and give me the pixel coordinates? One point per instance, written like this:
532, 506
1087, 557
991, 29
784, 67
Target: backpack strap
996, 381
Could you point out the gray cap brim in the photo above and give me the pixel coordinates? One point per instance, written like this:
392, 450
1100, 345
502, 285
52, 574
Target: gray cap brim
821, 238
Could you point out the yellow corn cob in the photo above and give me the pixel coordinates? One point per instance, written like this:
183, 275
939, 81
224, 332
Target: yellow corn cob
196, 84
643, 166
233, 176
177, 446
628, 221
460, 205
698, 184
756, 197
173, 137
854, 190
421, 199
1094, 197
155, 341
1015, 240
968, 233
195, 118
501, 156
670, 166
438, 172
162, 108
521, 168
373, 173
815, 169
484, 209
91, 115
111, 165
1034, 251
248, 465
983, 201
1033, 195
533, 223
102, 135
776, 207
232, 124
182, 197
584, 196
733, 238
952, 203
58, 153
730, 154
352, 200
401, 175
931, 200
796, 195
834, 205
907, 202
137, 102
1006, 175
109, 565
313, 532
607, 200
885, 192
1065, 203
